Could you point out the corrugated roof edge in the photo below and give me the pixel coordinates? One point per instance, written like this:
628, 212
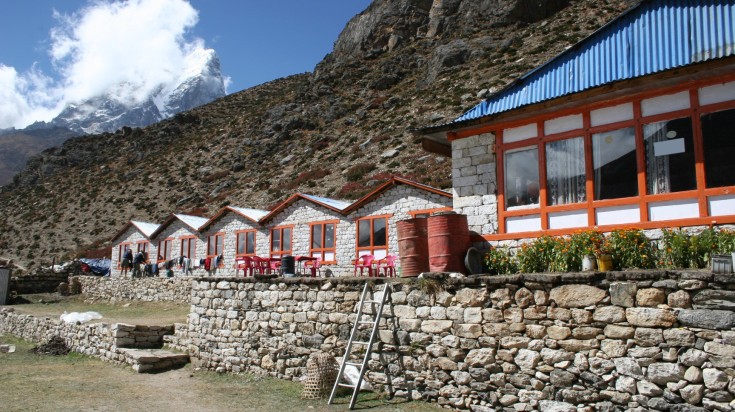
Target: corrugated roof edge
237, 210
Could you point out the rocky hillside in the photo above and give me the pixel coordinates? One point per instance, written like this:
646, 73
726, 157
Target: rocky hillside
336, 132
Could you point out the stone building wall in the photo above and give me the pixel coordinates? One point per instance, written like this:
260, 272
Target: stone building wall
616, 341
176, 231
474, 182
176, 289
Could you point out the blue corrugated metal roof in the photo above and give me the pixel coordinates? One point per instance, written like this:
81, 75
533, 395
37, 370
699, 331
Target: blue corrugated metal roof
656, 35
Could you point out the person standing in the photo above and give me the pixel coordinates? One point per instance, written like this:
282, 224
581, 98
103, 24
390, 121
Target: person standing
127, 261
138, 263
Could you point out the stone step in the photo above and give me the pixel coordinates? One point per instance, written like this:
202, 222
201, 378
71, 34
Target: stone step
153, 360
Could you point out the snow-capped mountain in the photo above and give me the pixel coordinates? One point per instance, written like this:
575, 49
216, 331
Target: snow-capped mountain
200, 83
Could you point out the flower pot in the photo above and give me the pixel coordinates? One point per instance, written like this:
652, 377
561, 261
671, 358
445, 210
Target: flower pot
604, 263
589, 263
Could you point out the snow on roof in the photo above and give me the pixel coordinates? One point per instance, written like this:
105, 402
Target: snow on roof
195, 222
337, 204
145, 227
253, 214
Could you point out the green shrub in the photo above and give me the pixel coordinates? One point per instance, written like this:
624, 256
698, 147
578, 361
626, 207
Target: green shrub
580, 244
726, 241
675, 250
499, 261
703, 246
630, 248
536, 256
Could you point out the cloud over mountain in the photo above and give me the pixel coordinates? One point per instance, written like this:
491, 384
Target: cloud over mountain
128, 50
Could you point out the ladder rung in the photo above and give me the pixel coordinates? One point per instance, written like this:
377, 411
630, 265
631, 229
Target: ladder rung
346, 385
371, 301
361, 343
353, 364
370, 322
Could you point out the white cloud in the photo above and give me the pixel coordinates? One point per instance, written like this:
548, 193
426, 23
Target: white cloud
132, 47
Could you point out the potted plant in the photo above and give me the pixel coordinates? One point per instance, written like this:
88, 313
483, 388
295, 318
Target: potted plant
585, 244
604, 258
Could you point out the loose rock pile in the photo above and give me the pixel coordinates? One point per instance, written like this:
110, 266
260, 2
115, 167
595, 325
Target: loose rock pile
56, 346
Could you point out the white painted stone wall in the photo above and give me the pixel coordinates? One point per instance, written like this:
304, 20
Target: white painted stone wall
229, 224
474, 182
132, 236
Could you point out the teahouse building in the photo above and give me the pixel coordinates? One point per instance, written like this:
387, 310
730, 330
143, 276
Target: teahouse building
633, 126
179, 237
135, 236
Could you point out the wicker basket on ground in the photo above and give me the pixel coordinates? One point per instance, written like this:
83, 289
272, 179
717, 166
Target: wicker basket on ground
321, 372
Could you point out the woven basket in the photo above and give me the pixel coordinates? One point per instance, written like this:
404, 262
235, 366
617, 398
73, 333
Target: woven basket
321, 372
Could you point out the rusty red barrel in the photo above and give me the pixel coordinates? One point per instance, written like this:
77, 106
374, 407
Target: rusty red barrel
413, 246
449, 239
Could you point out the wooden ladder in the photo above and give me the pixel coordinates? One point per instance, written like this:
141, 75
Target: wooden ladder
377, 306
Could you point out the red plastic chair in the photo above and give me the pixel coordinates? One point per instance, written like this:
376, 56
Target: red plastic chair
364, 262
260, 265
388, 265
314, 266
244, 263
274, 266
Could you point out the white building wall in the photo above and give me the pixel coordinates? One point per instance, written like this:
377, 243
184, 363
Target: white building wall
176, 231
474, 182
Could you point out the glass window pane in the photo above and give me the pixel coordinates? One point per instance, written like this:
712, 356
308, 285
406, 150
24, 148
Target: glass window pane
287, 239
718, 131
240, 243
329, 256
565, 174
329, 235
613, 158
276, 240
250, 249
521, 177
380, 237
220, 243
363, 233
316, 236
669, 156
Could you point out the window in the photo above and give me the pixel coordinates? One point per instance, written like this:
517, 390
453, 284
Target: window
215, 244
669, 156
280, 241
521, 177
143, 247
121, 248
323, 241
189, 247
164, 250
245, 242
565, 173
718, 134
614, 161
372, 237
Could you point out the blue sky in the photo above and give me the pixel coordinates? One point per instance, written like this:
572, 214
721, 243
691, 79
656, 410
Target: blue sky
256, 41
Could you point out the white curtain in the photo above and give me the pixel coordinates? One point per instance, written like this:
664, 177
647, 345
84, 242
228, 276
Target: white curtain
565, 172
657, 167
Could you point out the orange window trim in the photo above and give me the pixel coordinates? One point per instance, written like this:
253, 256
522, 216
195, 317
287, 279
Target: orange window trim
162, 257
245, 233
324, 250
282, 252
699, 194
186, 240
372, 248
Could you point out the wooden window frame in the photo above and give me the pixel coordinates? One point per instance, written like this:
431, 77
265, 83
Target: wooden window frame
700, 194
237, 242
282, 252
324, 250
372, 248
215, 236
188, 240
169, 241
146, 247
120, 252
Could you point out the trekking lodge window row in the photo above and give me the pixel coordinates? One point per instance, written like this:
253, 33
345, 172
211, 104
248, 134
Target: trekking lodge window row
639, 162
372, 236
323, 241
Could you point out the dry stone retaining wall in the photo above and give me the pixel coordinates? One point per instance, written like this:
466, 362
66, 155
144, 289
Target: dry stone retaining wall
106, 342
651, 340
177, 289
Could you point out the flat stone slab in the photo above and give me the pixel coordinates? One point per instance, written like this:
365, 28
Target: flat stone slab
149, 360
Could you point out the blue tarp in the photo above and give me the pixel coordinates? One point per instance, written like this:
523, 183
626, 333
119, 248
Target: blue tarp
98, 266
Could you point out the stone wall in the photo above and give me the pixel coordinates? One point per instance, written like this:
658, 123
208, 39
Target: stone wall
142, 289
474, 182
43, 280
131, 237
100, 340
617, 341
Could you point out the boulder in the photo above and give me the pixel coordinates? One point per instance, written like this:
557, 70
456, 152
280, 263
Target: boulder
576, 296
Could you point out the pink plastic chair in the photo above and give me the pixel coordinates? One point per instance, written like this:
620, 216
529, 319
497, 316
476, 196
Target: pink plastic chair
388, 265
244, 263
364, 262
314, 266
